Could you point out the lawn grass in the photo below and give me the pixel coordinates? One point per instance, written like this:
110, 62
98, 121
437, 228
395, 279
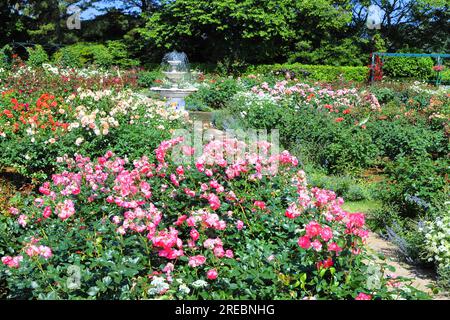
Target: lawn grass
361, 206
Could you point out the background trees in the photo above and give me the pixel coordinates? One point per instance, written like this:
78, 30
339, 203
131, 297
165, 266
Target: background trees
330, 32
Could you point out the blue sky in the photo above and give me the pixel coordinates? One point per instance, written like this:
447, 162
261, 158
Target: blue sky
92, 12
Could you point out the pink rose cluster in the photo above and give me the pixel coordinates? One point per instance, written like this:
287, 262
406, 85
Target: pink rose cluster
215, 206
32, 249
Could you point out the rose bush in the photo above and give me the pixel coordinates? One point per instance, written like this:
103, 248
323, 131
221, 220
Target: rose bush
37, 126
222, 223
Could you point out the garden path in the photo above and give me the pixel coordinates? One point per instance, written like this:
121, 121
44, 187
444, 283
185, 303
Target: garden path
422, 278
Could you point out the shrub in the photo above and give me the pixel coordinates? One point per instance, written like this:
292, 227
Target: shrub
436, 247
114, 53
316, 72
212, 230
37, 56
5, 57
119, 51
398, 138
415, 183
214, 94
147, 78
406, 67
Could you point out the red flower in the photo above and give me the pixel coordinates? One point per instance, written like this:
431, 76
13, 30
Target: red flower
346, 111
340, 119
325, 264
260, 204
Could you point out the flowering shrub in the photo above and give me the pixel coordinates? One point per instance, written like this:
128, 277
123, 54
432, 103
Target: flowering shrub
437, 245
227, 224
37, 127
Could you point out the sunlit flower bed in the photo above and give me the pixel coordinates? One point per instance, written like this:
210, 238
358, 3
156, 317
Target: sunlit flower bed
37, 125
228, 224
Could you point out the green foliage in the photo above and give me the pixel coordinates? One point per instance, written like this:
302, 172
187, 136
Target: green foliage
215, 94
5, 57
37, 56
147, 78
415, 184
316, 72
219, 29
114, 53
344, 186
406, 67
398, 138
119, 51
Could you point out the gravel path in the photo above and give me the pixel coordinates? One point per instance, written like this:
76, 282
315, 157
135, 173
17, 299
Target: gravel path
422, 278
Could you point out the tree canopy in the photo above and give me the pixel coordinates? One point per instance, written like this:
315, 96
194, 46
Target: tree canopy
253, 31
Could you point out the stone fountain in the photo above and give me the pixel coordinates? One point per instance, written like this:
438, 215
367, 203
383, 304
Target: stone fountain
176, 70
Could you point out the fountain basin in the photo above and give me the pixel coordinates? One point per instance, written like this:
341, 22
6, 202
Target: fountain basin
174, 96
174, 76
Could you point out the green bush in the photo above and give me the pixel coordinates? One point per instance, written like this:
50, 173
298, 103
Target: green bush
37, 56
82, 54
316, 72
5, 57
415, 184
399, 138
215, 94
147, 78
405, 67
119, 52
445, 74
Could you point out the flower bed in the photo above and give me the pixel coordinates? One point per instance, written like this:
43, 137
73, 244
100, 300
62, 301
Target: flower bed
37, 126
226, 225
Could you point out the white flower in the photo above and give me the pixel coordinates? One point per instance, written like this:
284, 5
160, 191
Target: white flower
159, 286
200, 284
79, 141
184, 289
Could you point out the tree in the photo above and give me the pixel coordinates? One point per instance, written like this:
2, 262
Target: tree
412, 25
252, 30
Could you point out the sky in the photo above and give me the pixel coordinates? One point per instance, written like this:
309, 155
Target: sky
93, 12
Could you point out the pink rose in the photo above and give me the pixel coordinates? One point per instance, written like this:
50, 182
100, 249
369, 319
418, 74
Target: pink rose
47, 212
196, 261
229, 254
363, 296
45, 252
211, 274
304, 242
194, 234
22, 220
326, 233
313, 229
316, 245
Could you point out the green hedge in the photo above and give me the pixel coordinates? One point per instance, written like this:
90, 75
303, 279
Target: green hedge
102, 55
407, 67
316, 72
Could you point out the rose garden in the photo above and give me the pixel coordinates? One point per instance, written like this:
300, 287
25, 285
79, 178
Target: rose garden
267, 181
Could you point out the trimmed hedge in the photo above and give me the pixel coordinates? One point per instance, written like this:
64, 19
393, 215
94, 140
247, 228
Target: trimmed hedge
316, 72
103, 55
407, 67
